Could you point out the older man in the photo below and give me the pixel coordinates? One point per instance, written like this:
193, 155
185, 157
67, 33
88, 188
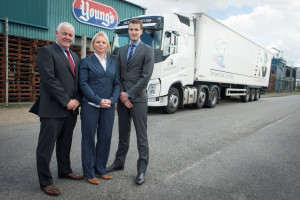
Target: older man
58, 108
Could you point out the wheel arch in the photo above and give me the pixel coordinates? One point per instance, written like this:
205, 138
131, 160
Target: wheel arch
178, 85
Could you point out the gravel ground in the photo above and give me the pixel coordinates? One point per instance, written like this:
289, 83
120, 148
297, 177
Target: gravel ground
20, 115
17, 116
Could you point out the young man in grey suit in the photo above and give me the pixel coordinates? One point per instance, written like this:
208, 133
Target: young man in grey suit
135, 64
58, 108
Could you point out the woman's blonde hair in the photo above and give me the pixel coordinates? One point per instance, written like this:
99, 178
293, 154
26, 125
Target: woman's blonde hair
101, 33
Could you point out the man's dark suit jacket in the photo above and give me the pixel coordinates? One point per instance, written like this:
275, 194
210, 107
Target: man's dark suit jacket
57, 82
135, 75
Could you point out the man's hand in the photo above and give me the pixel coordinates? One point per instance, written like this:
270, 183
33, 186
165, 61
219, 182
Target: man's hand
105, 103
76, 104
73, 104
123, 96
128, 104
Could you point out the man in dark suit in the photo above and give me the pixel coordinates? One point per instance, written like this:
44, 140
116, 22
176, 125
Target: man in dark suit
135, 64
58, 108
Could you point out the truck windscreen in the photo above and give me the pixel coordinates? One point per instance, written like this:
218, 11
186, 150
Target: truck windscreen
149, 37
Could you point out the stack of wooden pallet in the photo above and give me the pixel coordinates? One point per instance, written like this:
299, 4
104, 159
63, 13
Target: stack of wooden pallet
20, 67
23, 76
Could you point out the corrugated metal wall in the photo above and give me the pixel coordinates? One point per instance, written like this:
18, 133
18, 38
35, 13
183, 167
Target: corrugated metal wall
30, 12
61, 10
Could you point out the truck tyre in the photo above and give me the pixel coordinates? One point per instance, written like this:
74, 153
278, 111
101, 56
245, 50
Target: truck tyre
214, 98
173, 101
201, 98
246, 97
252, 95
257, 94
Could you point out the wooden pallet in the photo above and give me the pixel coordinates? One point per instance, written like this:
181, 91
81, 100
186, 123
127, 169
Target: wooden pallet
23, 75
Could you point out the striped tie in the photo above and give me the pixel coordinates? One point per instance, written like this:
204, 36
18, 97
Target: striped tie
131, 52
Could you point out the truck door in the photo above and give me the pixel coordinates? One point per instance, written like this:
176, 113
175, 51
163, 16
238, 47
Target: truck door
170, 49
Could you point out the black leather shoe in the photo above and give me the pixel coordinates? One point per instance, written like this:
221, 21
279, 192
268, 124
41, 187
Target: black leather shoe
114, 167
140, 178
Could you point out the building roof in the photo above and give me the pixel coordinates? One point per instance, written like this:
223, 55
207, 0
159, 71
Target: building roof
135, 4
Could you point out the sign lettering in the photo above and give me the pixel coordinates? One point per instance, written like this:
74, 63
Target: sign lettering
95, 13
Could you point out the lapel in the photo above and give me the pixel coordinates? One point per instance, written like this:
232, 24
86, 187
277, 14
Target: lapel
109, 68
98, 65
64, 58
124, 55
74, 55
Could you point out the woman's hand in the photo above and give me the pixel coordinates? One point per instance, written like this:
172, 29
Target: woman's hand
105, 103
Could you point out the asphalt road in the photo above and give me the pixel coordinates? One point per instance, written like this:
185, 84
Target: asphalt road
235, 151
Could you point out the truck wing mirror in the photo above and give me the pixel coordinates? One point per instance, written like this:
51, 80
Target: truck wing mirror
176, 33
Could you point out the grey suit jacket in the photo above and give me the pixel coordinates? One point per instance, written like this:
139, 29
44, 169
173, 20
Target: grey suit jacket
135, 75
57, 83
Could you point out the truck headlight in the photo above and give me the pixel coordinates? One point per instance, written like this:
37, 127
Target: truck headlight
153, 88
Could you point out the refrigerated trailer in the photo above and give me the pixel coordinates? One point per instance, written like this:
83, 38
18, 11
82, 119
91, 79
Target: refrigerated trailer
198, 60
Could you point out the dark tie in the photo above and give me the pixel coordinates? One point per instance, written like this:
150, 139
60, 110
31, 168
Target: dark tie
131, 52
71, 62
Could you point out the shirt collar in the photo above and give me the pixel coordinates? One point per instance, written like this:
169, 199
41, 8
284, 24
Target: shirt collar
137, 43
63, 49
99, 57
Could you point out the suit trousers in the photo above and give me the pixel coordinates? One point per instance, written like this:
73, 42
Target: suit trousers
138, 113
53, 131
95, 156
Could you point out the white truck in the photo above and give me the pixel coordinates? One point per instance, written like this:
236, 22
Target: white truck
198, 60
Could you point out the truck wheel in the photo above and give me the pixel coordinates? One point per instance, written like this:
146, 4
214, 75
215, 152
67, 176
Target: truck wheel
252, 95
214, 98
173, 101
257, 94
246, 97
201, 98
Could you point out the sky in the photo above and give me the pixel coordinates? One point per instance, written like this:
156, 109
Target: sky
273, 24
